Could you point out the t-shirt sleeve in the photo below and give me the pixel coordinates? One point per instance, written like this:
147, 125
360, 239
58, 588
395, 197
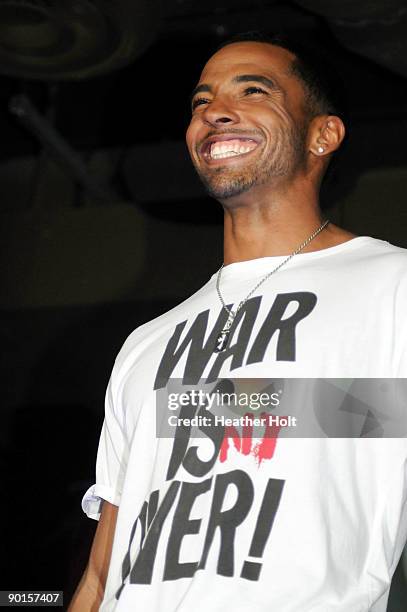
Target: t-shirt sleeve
111, 460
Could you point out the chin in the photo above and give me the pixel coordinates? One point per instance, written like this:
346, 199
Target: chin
223, 188
225, 192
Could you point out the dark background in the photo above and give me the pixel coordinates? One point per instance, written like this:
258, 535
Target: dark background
104, 224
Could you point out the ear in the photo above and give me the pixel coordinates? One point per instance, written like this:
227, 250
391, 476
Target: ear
328, 131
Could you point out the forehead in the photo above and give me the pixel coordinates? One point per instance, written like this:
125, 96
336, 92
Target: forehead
250, 58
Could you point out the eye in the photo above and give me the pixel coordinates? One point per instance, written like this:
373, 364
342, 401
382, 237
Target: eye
253, 90
199, 102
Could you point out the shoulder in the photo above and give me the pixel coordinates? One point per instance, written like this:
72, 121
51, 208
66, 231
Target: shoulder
384, 255
383, 247
388, 271
153, 331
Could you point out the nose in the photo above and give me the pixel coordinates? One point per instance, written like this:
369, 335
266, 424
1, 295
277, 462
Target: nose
218, 112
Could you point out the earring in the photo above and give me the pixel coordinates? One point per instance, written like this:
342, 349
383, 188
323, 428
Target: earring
321, 149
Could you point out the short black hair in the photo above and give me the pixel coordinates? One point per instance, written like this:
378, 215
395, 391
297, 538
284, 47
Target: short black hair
324, 90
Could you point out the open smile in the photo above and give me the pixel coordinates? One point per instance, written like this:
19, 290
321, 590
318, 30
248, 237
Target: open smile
222, 148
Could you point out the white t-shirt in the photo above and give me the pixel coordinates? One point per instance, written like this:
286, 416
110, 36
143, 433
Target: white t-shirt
316, 524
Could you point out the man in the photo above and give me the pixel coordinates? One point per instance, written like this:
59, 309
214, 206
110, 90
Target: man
300, 525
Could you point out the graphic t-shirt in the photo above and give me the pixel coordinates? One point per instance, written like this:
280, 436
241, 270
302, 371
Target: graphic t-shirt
310, 524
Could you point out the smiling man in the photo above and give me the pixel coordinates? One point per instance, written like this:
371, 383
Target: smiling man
256, 523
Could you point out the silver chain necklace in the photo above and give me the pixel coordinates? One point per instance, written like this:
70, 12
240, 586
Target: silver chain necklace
223, 338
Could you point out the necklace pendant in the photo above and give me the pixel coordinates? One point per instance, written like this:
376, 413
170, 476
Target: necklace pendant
223, 338
222, 341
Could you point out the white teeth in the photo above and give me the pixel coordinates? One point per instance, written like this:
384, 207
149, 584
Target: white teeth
222, 155
231, 148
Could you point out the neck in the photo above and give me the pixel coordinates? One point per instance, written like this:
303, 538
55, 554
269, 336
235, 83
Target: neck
263, 224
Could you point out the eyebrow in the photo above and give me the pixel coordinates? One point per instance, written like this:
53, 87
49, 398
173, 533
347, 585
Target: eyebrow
258, 78
199, 89
241, 78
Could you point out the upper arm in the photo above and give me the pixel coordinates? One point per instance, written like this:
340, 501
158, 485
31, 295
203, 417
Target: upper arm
89, 593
